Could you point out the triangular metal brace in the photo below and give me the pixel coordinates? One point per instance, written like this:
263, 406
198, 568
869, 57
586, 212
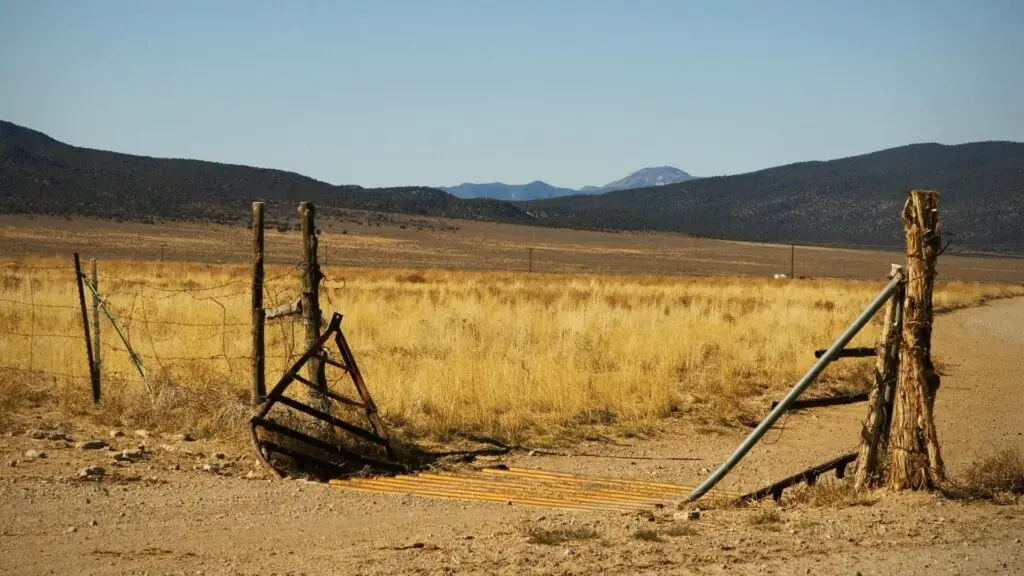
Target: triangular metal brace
276, 396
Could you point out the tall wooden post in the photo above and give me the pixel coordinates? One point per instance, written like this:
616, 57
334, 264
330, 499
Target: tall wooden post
311, 298
875, 433
915, 459
97, 357
259, 386
93, 373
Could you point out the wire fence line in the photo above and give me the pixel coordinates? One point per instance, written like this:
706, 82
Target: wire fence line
39, 319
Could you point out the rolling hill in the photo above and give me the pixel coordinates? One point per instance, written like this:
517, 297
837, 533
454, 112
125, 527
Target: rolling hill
40, 175
853, 200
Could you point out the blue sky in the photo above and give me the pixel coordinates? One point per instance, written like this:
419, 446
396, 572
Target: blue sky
572, 92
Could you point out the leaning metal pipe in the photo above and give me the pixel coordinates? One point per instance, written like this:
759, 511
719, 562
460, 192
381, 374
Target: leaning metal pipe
802, 385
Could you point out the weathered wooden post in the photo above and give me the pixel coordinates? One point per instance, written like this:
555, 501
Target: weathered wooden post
311, 298
97, 356
93, 373
875, 433
915, 459
259, 386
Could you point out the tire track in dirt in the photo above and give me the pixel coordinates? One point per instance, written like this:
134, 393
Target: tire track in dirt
980, 405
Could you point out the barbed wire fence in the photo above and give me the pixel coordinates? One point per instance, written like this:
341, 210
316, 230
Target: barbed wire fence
175, 328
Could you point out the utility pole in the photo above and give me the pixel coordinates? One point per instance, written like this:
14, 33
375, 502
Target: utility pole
792, 257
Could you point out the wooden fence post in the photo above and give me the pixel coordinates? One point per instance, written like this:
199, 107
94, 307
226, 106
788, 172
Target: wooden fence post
259, 386
93, 373
311, 299
97, 355
915, 459
875, 433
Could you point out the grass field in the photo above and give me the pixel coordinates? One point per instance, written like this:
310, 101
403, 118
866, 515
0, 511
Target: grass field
526, 358
421, 243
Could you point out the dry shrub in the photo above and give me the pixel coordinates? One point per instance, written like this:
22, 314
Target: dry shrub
19, 391
999, 477
647, 535
678, 530
829, 493
767, 515
556, 536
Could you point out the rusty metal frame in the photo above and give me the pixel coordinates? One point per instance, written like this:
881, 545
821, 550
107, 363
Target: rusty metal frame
808, 476
858, 352
837, 400
276, 396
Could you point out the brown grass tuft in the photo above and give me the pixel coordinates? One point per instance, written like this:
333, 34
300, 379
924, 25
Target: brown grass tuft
829, 493
999, 477
554, 537
647, 535
765, 515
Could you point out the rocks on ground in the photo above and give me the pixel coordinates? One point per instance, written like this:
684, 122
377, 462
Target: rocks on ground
91, 472
92, 445
55, 435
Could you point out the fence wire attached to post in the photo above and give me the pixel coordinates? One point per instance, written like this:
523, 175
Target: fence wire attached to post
798, 389
93, 368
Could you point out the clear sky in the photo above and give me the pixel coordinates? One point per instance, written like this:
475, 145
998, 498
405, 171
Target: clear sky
573, 92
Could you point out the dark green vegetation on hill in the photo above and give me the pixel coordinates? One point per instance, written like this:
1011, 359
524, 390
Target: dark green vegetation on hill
847, 201
39, 175
854, 200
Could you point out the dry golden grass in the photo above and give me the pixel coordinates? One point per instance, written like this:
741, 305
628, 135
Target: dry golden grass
514, 356
998, 477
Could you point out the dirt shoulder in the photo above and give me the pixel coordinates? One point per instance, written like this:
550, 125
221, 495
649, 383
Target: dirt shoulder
179, 506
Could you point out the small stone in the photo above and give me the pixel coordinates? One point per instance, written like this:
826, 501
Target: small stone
93, 523
12, 463
128, 456
183, 437
569, 552
116, 434
46, 435
687, 515
211, 468
219, 455
92, 445
71, 529
121, 515
33, 454
141, 434
1017, 540
91, 472
175, 467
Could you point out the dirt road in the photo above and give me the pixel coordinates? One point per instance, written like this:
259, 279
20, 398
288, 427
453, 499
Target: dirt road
160, 512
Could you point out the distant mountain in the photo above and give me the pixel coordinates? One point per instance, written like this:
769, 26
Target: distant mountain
852, 201
647, 178
855, 200
538, 190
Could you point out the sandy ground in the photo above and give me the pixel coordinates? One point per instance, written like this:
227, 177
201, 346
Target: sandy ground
183, 507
